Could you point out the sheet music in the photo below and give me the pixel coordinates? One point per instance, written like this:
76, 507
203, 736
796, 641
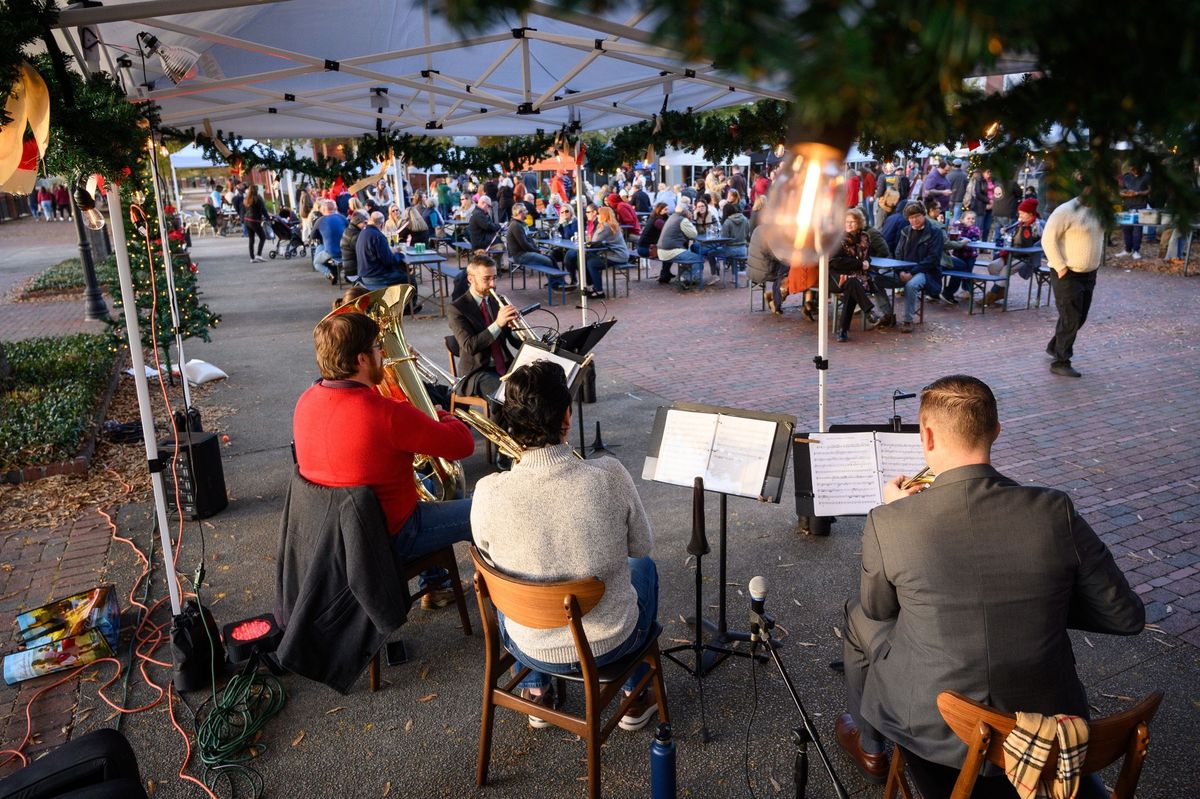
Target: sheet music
741, 451
899, 453
687, 441
845, 473
528, 355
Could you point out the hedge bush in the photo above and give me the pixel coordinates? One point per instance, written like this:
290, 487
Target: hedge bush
68, 275
55, 387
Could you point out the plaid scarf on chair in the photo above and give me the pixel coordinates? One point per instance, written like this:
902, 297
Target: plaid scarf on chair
1027, 748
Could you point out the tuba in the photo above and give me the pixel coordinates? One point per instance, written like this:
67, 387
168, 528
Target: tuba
437, 479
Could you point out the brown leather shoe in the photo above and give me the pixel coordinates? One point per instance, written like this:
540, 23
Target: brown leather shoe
874, 767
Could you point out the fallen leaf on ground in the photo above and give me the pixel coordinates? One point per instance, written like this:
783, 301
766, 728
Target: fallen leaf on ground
408, 726
427, 698
296, 741
387, 789
425, 671
775, 784
370, 725
333, 710
837, 632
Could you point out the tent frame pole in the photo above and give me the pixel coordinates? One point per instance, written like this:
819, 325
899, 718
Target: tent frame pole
134, 337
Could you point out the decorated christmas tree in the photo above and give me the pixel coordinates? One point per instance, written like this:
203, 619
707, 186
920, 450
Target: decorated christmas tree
148, 271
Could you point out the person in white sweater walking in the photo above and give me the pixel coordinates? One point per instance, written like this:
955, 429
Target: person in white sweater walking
1073, 240
555, 517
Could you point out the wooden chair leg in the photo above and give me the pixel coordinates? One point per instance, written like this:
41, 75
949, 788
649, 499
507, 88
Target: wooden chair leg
895, 777
485, 736
660, 690
594, 753
460, 598
373, 673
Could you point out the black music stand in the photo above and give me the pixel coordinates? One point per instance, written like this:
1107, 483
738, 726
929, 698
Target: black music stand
820, 525
580, 341
710, 655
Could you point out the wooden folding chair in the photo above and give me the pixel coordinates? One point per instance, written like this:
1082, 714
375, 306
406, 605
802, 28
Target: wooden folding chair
547, 606
983, 729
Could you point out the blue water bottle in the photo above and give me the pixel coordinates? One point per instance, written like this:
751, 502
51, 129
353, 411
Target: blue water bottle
662, 764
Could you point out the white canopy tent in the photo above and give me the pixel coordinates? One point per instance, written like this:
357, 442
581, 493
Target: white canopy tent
310, 68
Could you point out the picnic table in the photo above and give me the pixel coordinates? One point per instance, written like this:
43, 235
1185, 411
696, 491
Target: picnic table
991, 246
441, 272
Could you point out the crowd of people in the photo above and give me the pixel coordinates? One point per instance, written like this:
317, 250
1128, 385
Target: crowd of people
934, 218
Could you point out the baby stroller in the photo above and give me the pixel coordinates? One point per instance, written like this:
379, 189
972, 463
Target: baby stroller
287, 229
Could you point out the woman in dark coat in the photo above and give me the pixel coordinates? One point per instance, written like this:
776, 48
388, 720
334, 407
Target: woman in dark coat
852, 264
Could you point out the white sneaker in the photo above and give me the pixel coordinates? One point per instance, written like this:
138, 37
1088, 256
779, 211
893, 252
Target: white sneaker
1121, 254
1137, 256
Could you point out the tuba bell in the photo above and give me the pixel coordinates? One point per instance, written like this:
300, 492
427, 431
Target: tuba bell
437, 479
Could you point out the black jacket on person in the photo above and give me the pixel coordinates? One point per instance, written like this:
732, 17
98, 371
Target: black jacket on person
475, 340
517, 241
349, 245
651, 231
338, 590
923, 246
480, 229
641, 202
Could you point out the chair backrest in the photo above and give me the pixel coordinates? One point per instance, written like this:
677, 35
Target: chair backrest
453, 351
1122, 734
543, 606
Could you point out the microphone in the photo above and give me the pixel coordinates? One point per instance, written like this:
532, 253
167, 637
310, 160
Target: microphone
530, 309
758, 595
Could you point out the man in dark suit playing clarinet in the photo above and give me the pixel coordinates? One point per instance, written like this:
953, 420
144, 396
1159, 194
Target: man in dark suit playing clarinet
969, 585
483, 329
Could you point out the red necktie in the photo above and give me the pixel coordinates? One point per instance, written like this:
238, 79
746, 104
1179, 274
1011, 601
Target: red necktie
497, 350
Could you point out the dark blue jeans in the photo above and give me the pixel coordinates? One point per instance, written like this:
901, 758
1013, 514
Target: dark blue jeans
433, 526
643, 575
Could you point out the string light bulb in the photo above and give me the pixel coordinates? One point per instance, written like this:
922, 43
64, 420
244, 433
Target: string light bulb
806, 205
87, 209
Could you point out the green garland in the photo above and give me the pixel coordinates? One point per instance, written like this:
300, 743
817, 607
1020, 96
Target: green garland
721, 134
99, 132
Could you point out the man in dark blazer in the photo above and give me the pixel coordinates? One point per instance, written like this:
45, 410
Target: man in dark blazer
970, 585
485, 345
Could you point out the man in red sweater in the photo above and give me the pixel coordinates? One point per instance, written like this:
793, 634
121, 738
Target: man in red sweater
348, 434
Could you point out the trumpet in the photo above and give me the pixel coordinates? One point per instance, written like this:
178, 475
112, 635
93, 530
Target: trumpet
923, 477
429, 371
521, 328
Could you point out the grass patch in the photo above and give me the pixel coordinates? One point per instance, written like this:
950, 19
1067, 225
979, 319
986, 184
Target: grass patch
56, 384
68, 276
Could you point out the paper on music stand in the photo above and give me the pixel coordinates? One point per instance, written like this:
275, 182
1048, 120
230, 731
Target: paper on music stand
528, 355
731, 453
849, 470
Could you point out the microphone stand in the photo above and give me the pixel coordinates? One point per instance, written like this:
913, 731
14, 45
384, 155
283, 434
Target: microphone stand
760, 631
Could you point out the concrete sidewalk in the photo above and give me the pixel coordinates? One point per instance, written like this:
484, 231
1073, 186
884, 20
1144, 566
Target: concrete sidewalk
1120, 440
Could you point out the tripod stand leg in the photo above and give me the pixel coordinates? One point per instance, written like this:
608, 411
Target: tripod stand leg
800, 764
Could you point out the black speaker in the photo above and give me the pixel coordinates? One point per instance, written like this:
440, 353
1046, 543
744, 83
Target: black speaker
201, 478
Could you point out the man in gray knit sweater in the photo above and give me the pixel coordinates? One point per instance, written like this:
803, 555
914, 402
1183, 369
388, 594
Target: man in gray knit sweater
555, 517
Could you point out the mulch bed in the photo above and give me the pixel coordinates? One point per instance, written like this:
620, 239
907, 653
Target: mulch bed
117, 475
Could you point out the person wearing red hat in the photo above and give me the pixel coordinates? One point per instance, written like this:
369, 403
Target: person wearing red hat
1027, 233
